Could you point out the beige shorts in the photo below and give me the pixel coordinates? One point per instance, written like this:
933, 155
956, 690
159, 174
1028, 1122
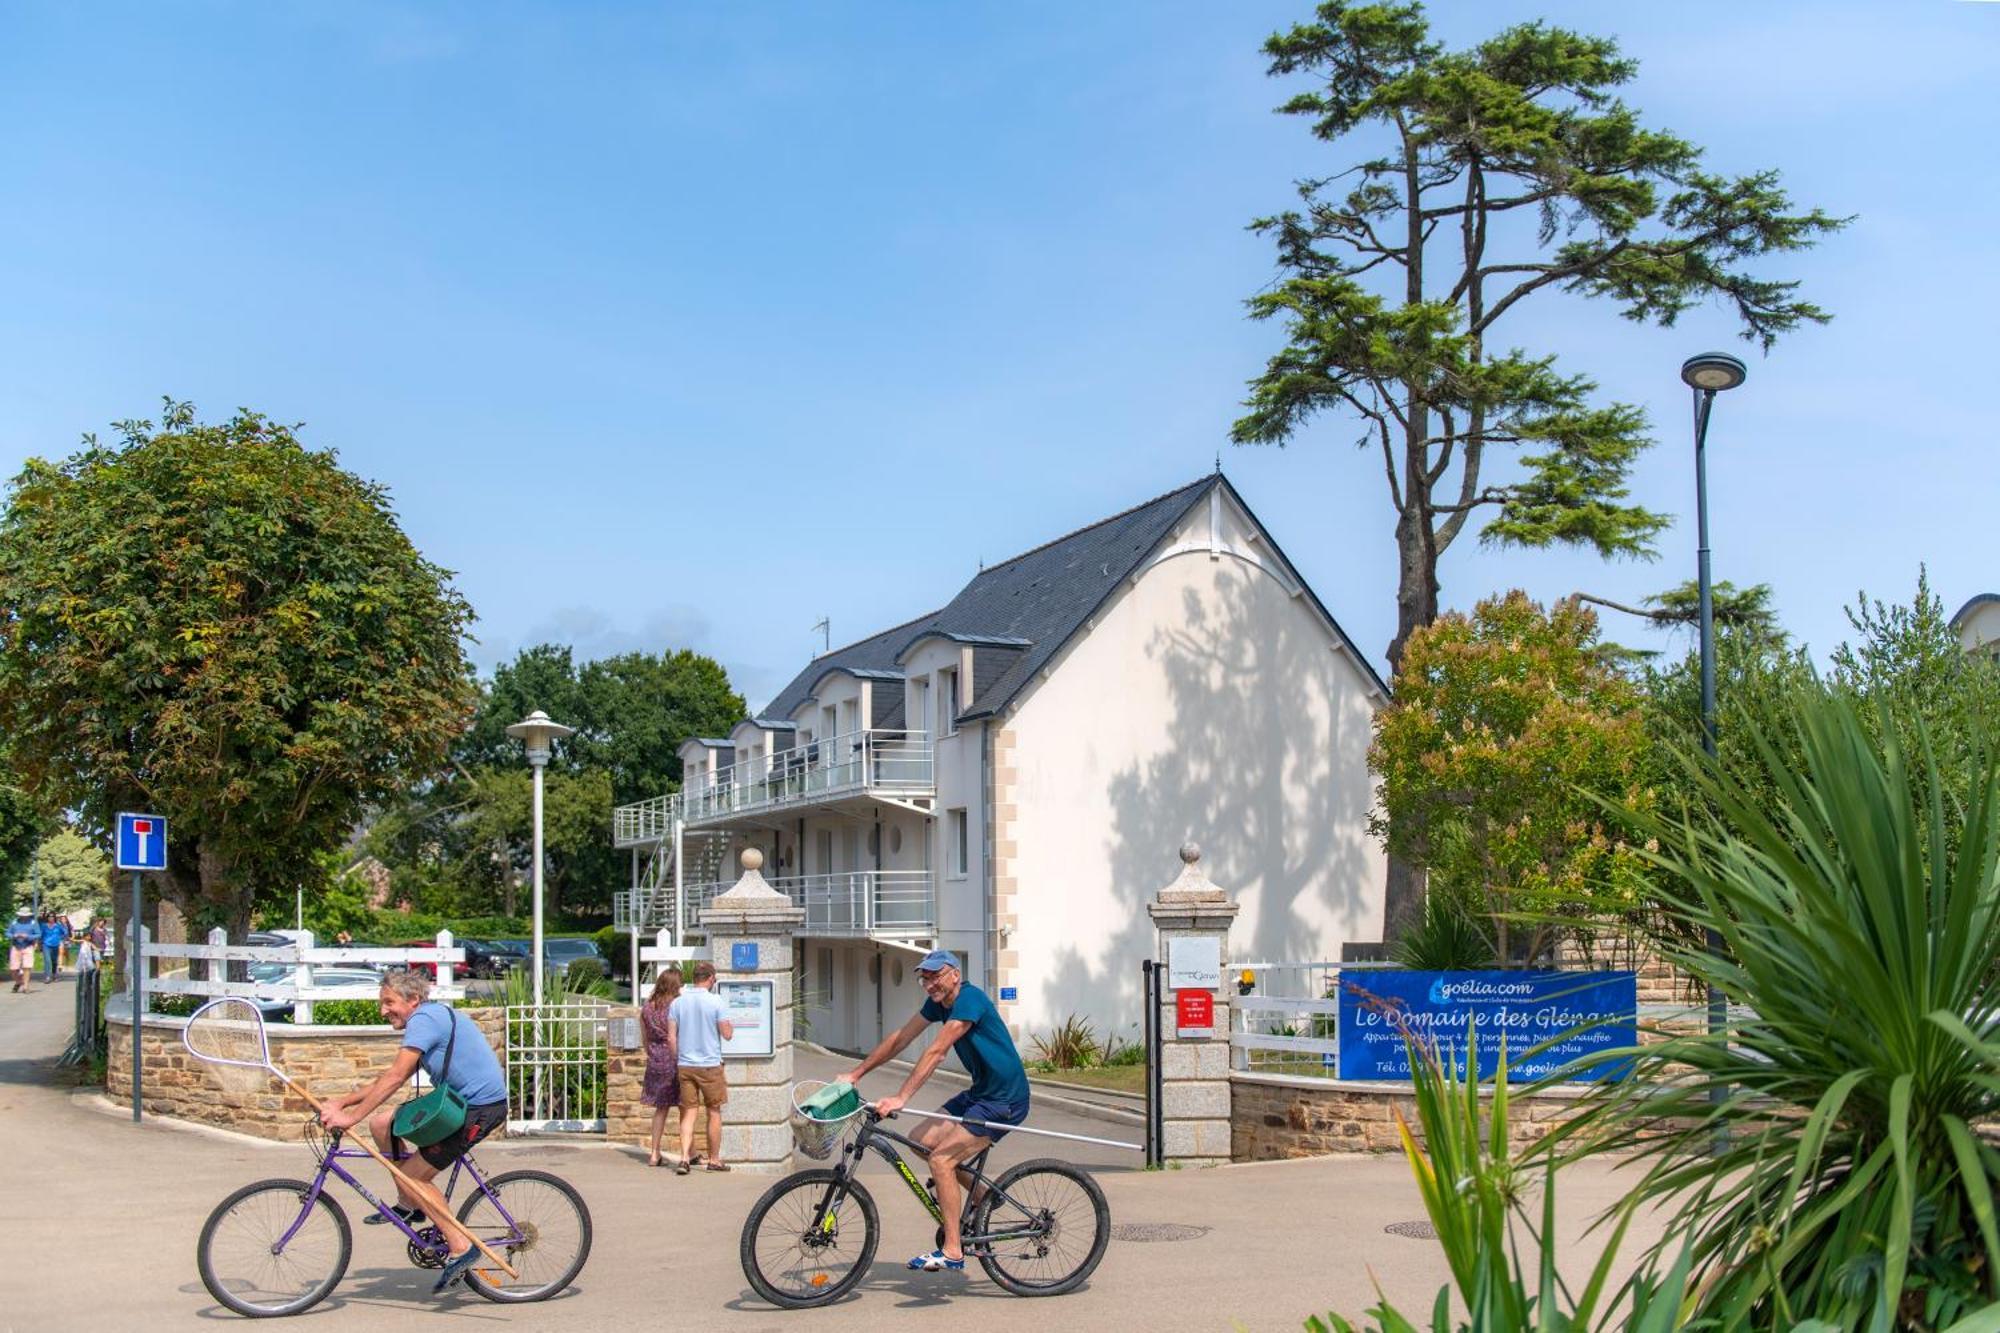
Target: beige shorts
18, 957
709, 1083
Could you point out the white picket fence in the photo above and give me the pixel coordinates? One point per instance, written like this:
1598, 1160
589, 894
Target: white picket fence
212, 960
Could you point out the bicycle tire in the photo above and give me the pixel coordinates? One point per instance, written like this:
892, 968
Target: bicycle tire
821, 1288
263, 1223
546, 1262
1065, 1198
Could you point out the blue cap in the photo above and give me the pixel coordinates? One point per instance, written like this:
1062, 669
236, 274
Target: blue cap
938, 959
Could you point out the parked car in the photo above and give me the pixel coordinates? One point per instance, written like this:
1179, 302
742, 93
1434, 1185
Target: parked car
557, 955
365, 982
492, 958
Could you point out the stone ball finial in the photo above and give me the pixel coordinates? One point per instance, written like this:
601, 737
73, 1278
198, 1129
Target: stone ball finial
752, 859
1190, 853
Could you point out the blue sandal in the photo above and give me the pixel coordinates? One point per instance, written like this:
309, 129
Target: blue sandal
454, 1269
936, 1262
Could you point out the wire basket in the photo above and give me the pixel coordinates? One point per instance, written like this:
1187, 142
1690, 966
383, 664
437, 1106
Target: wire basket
816, 1138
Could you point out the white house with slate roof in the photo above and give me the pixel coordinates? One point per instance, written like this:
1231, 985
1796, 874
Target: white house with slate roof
1009, 777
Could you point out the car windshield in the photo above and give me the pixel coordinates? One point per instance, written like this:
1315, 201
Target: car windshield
570, 948
268, 972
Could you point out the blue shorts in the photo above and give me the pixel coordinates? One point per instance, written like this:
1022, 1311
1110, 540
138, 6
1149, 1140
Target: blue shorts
968, 1107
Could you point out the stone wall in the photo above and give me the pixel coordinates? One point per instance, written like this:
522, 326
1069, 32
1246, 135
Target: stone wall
327, 1061
1273, 1116
626, 1118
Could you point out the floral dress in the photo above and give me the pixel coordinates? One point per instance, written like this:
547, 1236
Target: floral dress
663, 1067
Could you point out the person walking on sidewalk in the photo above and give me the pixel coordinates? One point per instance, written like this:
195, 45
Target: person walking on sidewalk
998, 1095
55, 933
22, 937
696, 1028
661, 1089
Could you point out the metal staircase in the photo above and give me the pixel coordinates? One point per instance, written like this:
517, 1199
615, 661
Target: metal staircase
655, 831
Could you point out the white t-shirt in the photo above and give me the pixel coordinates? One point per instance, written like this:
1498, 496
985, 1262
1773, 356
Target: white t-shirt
697, 1013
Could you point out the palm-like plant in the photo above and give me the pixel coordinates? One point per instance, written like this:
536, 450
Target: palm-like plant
1821, 1155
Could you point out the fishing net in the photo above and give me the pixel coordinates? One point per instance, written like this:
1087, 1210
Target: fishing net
821, 1114
228, 1036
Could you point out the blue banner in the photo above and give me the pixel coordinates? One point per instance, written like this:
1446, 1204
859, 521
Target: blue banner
1599, 1010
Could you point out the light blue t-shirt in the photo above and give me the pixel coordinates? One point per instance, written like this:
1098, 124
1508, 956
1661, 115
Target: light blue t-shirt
697, 1013
475, 1071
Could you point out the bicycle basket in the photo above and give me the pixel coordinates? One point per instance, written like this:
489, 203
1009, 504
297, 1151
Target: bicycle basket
818, 1127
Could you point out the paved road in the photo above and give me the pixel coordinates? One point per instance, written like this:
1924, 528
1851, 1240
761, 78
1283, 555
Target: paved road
107, 1241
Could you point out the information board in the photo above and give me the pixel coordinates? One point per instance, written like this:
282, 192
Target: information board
1599, 1011
1194, 964
750, 1010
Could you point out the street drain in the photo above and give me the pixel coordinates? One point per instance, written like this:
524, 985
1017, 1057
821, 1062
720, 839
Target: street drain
1412, 1230
1157, 1231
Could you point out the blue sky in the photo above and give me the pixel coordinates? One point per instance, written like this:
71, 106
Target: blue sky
687, 324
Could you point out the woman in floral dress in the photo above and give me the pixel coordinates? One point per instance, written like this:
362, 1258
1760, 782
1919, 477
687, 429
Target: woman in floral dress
661, 1089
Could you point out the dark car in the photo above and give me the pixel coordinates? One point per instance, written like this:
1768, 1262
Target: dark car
492, 958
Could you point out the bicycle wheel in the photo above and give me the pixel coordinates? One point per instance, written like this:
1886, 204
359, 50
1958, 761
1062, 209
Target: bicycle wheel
796, 1256
1065, 1221
243, 1263
539, 1225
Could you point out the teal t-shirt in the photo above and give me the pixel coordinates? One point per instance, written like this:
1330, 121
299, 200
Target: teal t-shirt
987, 1051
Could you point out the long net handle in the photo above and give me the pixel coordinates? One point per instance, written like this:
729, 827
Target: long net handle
1021, 1129
448, 1223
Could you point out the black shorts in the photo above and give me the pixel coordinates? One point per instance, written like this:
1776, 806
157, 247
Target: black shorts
481, 1122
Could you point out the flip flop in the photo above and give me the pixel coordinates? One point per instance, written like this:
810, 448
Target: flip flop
935, 1262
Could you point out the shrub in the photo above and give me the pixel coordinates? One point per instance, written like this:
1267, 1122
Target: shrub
1821, 1156
1126, 1053
1071, 1044
346, 1013
584, 971
1450, 938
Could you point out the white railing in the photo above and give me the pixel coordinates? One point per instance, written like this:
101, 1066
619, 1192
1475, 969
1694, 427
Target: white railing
644, 822
897, 762
556, 1067
895, 903
215, 955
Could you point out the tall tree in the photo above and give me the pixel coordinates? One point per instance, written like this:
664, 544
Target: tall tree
73, 871
216, 623
1487, 177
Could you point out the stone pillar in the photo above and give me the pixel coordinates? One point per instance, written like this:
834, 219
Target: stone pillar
1191, 919
750, 932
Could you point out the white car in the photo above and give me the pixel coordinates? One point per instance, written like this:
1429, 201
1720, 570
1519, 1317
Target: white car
365, 982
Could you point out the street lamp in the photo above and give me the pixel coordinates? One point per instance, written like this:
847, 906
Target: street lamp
1707, 375
537, 733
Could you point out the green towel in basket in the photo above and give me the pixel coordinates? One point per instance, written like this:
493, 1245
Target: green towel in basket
835, 1101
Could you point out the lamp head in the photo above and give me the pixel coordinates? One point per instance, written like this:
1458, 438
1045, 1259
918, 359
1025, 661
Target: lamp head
537, 733
1713, 372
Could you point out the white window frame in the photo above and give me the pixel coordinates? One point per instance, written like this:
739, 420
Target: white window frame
947, 693
957, 842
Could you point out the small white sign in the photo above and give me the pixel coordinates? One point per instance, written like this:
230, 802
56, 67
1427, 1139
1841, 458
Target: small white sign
1194, 964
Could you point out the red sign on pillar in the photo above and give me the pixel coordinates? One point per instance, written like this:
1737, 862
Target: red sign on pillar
1194, 1012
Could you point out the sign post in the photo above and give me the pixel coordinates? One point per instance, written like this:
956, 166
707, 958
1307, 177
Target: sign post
142, 846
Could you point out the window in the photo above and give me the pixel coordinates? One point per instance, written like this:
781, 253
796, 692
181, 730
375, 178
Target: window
955, 858
823, 960
947, 701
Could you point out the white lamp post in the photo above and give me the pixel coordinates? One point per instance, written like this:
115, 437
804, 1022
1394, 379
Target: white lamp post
537, 733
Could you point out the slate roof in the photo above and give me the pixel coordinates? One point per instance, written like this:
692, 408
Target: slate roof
1033, 603
1041, 596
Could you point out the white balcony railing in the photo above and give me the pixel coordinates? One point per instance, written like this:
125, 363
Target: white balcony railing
893, 762
644, 822
898, 904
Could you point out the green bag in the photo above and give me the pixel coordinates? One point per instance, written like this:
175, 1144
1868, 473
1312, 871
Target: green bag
439, 1113
835, 1101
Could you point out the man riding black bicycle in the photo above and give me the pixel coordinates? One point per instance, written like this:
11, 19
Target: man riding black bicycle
998, 1095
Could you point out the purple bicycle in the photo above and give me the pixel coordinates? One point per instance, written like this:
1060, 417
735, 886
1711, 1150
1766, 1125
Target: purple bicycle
277, 1247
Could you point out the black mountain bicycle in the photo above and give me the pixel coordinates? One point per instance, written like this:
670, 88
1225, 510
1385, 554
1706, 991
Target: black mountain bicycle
1038, 1230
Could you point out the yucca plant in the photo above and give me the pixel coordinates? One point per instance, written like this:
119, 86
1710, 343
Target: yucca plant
1071, 1044
1502, 1255
1823, 1155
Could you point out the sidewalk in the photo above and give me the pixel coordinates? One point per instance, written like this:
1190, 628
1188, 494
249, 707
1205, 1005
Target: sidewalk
1278, 1240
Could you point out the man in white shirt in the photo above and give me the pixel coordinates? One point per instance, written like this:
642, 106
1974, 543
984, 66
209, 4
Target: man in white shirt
697, 1027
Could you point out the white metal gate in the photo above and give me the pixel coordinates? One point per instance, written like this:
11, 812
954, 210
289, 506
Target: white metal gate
556, 1067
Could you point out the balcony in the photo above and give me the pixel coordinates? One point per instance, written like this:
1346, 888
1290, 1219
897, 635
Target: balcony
861, 767
644, 823
884, 904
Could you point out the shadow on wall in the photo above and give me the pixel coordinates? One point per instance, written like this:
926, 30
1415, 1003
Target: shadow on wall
1251, 775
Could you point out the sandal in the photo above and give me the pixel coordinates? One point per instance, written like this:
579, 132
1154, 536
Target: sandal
683, 1168
935, 1262
712, 1165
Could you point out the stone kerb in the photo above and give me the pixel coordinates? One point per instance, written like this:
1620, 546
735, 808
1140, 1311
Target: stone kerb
1194, 1069
756, 1122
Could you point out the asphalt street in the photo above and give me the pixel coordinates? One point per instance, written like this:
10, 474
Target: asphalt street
101, 1220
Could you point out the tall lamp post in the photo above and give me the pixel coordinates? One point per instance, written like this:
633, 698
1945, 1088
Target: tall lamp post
1707, 375
537, 733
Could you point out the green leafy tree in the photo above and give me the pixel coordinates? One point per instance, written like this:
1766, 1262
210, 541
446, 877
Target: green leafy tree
21, 827
214, 622
1506, 729
74, 873
1481, 179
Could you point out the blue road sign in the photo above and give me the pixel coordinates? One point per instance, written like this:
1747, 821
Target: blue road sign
743, 956
142, 842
